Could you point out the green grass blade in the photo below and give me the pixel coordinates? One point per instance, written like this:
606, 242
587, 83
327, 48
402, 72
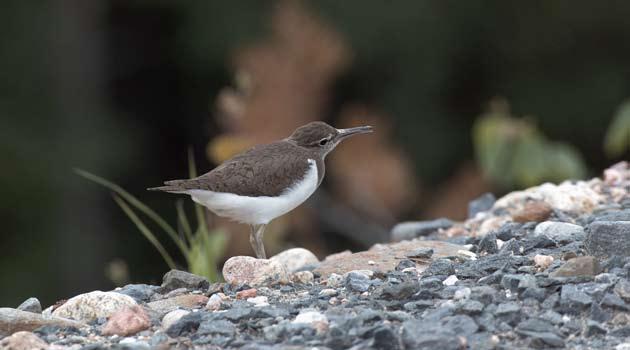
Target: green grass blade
199, 210
181, 216
133, 201
145, 231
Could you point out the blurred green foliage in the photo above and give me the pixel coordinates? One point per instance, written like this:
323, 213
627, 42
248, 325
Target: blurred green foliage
617, 141
513, 152
201, 249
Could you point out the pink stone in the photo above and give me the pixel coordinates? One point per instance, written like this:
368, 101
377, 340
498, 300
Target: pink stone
127, 321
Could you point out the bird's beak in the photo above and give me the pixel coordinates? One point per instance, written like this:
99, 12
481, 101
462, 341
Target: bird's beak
344, 133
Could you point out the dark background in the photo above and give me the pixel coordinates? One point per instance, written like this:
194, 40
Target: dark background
123, 88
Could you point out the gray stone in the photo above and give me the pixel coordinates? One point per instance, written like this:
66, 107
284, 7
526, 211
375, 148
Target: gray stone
572, 297
460, 324
608, 238
420, 253
140, 292
385, 339
622, 288
488, 244
398, 291
413, 229
534, 293
417, 334
598, 314
31, 305
614, 301
481, 204
543, 340
215, 327
440, 267
561, 232
592, 328
186, 324
471, 307
580, 266
14, 320
176, 279
358, 282
518, 282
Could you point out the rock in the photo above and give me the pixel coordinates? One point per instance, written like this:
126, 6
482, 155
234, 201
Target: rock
543, 261
127, 321
385, 339
184, 325
295, 259
450, 280
608, 238
247, 293
385, 257
173, 317
572, 297
509, 312
576, 197
481, 204
23, 340
31, 305
357, 281
561, 232
536, 211
580, 266
417, 334
399, 291
440, 267
592, 328
471, 307
462, 325
518, 282
254, 272
90, 306
314, 319
140, 292
259, 301
420, 253
214, 303
216, 327
334, 280
413, 229
614, 301
622, 289
328, 292
176, 279
488, 244
302, 277
14, 320
186, 301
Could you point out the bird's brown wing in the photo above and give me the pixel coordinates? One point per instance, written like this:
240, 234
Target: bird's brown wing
265, 170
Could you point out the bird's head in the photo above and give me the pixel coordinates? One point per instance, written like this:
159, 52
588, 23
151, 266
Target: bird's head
323, 137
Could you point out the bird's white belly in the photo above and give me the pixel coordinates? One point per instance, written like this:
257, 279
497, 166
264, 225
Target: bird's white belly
258, 210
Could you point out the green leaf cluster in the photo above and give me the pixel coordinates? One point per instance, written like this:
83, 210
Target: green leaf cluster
201, 248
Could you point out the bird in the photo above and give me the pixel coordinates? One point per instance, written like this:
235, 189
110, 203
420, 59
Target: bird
266, 181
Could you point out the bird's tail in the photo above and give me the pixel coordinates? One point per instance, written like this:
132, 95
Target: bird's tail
173, 186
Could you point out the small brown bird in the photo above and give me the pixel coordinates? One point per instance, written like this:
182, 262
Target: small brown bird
266, 181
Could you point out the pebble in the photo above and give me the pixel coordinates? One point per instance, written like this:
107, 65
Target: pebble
357, 281
214, 302
173, 317
561, 232
535, 211
303, 277
580, 266
23, 341
420, 253
295, 259
259, 301
31, 305
247, 293
481, 204
186, 301
543, 261
254, 272
413, 229
90, 306
608, 238
328, 292
450, 280
334, 280
176, 279
127, 321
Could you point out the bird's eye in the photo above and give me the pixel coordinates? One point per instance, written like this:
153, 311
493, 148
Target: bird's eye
323, 142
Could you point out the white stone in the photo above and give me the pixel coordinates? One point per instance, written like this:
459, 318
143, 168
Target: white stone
259, 301
214, 303
543, 261
450, 280
462, 293
328, 292
91, 306
303, 277
310, 317
569, 196
295, 258
172, 317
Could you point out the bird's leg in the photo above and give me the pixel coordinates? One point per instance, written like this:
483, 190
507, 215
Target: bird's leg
256, 240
